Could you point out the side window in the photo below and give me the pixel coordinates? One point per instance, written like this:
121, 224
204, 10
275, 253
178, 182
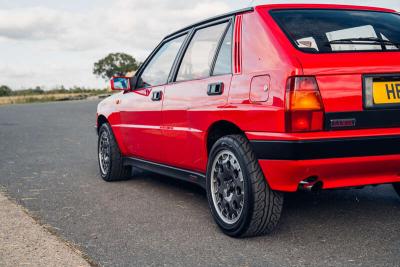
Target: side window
159, 67
200, 53
223, 65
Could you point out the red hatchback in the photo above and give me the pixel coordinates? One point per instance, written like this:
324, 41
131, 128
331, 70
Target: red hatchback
271, 99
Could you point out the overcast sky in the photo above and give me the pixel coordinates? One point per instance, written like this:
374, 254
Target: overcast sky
49, 43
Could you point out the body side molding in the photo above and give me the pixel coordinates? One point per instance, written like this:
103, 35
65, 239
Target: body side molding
178, 173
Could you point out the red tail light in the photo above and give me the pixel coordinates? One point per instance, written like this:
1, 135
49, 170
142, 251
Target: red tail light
304, 107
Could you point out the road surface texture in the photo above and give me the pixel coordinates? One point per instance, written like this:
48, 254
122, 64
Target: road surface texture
48, 164
23, 242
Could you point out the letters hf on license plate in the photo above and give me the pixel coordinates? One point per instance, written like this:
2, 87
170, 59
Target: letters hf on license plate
386, 92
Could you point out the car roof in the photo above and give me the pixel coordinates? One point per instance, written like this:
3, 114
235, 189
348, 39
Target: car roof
323, 6
280, 6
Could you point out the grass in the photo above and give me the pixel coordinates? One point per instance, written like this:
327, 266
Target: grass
6, 100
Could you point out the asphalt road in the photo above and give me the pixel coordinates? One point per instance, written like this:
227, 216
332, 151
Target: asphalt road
48, 163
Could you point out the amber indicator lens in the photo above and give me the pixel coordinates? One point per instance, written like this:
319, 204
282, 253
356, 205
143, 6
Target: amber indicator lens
304, 107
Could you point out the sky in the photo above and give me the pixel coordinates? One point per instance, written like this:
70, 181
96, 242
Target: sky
50, 43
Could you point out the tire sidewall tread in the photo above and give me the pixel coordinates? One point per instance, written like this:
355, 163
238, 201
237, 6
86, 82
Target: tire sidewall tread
262, 207
117, 171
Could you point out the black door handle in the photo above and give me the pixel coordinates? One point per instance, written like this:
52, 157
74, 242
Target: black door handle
156, 95
215, 88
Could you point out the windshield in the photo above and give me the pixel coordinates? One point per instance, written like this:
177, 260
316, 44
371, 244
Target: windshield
329, 30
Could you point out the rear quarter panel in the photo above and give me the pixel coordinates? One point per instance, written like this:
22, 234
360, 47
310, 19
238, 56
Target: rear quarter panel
262, 54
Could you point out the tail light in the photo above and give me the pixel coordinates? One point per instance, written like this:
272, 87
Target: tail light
304, 107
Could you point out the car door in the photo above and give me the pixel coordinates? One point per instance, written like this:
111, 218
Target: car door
140, 109
200, 87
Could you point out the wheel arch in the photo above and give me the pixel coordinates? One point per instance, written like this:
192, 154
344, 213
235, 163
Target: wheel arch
101, 119
219, 129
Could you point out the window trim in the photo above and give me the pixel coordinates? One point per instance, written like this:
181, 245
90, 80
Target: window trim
227, 20
143, 67
218, 17
292, 41
221, 41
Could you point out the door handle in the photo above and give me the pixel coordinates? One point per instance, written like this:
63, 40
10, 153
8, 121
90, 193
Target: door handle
156, 95
215, 88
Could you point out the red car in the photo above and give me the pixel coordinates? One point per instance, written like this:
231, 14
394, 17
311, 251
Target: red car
261, 101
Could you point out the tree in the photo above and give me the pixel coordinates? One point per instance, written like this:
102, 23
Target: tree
5, 90
37, 90
115, 64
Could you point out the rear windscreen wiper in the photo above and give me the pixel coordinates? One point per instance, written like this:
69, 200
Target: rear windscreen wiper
364, 41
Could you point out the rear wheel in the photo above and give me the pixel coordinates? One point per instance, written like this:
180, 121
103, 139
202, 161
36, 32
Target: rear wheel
239, 197
397, 188
110, 158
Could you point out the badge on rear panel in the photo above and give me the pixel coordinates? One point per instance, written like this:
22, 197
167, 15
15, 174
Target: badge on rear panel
343, 123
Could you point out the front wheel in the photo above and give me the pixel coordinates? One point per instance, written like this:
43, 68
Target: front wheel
239, 197
110, 158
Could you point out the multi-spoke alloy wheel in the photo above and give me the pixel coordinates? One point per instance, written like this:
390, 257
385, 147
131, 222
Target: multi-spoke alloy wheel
104, 152
240, 199
110, 158
227, 186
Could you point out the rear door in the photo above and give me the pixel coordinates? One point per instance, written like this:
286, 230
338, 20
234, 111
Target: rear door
200, 87
141, 108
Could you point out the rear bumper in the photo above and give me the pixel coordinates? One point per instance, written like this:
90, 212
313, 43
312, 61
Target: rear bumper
337, 163
327, 148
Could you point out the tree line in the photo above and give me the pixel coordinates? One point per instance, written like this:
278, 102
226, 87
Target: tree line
7, 91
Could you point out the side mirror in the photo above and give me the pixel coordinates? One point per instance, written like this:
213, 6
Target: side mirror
120, 83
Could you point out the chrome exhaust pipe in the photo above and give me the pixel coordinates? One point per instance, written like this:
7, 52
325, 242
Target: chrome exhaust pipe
311, 184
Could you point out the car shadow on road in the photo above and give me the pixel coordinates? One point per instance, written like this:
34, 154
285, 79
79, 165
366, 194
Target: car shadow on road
168, 182
338, 210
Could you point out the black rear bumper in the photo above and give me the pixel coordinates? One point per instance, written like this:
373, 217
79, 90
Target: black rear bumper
327, 148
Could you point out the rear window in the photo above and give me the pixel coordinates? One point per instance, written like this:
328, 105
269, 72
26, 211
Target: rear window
329, 30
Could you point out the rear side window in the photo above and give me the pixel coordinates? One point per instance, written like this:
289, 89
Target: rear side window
200, 53
329, 30
223, 65
157, 70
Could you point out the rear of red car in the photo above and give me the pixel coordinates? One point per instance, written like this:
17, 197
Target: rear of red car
342, 109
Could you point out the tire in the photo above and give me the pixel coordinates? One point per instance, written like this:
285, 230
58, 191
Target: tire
259, 207
109, 156
396, 187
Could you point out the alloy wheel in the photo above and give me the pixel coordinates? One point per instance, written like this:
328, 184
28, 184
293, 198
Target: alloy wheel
104, 152
227, 187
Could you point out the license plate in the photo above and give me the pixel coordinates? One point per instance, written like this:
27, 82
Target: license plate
387, 92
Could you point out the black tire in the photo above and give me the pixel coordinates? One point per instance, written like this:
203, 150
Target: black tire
396, 187
115, 171
261, 208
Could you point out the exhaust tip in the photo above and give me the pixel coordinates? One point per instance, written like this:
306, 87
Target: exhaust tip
311, 184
